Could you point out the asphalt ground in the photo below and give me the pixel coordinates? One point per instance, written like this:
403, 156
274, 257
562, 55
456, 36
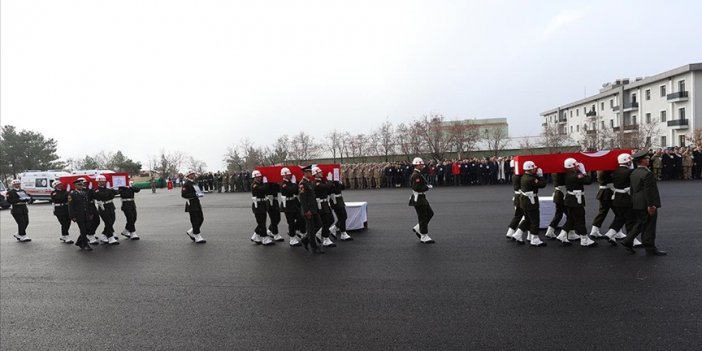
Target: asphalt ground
383, 291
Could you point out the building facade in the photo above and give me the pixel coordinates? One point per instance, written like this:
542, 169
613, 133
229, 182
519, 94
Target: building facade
658, 111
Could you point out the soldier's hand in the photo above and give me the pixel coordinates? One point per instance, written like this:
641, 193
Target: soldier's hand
539, 172
430, 186
651, 210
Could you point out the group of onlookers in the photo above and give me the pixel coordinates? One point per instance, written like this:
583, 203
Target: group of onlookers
677, 163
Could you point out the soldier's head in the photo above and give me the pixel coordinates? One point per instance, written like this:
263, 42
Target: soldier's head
191, 174
307, 171
418, 163
257, 176
57, 185
79, 183
285, 172
641, 158
16, 183
101, 180
529, 167
570, 164
317, 172
624, 159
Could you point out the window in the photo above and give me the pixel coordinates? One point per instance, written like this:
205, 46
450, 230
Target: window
602, 106
577, 128
648, 94
648, 118
571, 129
585, 109
611, 103
633, 98
663, 91
611, 123
681, 140
602, 125
593, 107
663, 116
663, 142
633, 120
681, 113
577, 113
41, 183
681, 87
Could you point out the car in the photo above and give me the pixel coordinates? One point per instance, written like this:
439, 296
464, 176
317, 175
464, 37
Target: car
3, 197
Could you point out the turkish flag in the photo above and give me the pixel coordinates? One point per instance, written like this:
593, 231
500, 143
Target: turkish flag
605, 160
272, 173
114, 180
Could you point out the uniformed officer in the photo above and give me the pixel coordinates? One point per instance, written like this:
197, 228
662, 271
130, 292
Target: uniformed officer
339, 207
419, 201
290, 205
104, 198
559, 190
604, 196
646, 201
512, 229
259, 207
322, 189
79, 204
273, 190
621, 200
126, 194
192, 193
19, 198
308, 203
59, 197
575, 180
94, 222
530, 183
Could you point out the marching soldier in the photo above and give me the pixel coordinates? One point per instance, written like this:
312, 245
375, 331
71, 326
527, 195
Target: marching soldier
559, 190
513, 233
59, 197
19, 198
530, 183
274, 210
575, 180
192, 193
94, 216
322, 190
79, 204
259, 207
104, 198
420, 203
129, 209
621, 201
290, 205
308, 203
604, 196
339, 207
646, 201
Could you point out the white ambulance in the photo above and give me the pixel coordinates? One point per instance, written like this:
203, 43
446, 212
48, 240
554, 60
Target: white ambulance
38, 183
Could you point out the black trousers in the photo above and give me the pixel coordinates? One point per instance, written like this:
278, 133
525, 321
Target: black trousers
327, 221
295, 222
605, 205
196, 219
274, 214
130, 212
341, 216
22, 220
312, 226
557, 216
108, 218
623, 216
83, 223
94, 222
646, 226
532, 218
518, 214
260, 223
65, 221
424, 215
576, 217
568, 225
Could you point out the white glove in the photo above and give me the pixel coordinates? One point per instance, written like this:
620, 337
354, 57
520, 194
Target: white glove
581, 168
539, 172
430, 186
200, 195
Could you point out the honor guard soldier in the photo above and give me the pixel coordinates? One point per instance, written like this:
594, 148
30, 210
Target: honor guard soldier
576, 178
192, 193
646, 201
104, 198
518, 212
559, 190
129, 209
322, 189
530, 183
621, 201
59, 197
290, 205
339, 207
259, 197
419, 201
19, 198
273, 190
79, 210
604, 196
308, 203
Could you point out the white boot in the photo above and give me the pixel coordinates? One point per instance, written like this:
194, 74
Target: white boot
22, 238
572, 235
318, 235
190, 235
269, 233
134, 236
518, 236
328, 243
92, 240
563, 237
267, 241
551, 233
66, 239
536, 241
104, 239
595, 233
256, 238
294, 241
510, 232
126, 233
620, 235
425, 239
345, 236
199, 239
278, 237
112, 241
586, 241
415, 229
333, 230
529, 236
298, 234
637, 243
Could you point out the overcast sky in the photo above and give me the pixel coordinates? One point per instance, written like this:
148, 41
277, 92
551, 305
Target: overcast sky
198, 76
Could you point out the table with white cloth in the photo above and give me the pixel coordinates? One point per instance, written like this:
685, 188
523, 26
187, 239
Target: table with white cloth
547, 208
357, 213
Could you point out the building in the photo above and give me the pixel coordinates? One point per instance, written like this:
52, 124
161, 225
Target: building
658, 111
485, 126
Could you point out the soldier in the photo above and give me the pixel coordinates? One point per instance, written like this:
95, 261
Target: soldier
657, 163
290, 205
192, 193
378, 171
513, 233
419, 201
646, 201
575, 180
59, 197
339, 208
94, 222
308, 203
559, 190
621, 201
259, 207
530, 183
274, 210
104, 198
357, 179
19, 198
604, 196
79, 210
129, 209
322, 189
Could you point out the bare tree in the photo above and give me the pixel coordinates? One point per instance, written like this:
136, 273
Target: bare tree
553, 140
496, 139
527, 145
435, 135
170, 162
386, 140
234, 161
303, 147
279, 152
696, 138
465, 137
196, 165
334, 143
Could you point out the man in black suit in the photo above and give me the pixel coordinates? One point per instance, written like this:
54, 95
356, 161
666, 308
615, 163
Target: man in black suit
646, 201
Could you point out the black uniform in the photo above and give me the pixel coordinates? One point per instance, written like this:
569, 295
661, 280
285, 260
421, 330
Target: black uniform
104, 198
322, 189
518, 212
419, 201
575, 184
79, 209
308, 203
290, 205
259, 206
19, 198
129, 206
193, 206
558, 200
621, 200
529, 186
644, 194
604, 196
273, 206
60, 200
94, 215
338, 205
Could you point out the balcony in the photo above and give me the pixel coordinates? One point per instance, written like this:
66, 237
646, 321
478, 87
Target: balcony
591, 114
677, 97
631, 106
615, 108
631, 127
679, 123
591, 132
562, 119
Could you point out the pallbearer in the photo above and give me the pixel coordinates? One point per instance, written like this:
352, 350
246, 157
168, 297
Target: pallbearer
308, 203
59, 197
339, 207
79, 209
322, 189
259, 197
104, 198
531, 182
129, 209
420, 203
273, 192
576, 179
192, 193
290, 205
19, 198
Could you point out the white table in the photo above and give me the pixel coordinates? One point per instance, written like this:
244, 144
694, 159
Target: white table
357, 215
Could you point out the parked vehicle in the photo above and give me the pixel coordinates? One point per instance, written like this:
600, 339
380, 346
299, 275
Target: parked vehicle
38, 183
3, 197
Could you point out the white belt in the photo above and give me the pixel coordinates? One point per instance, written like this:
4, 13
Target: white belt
530, 195
59, 205
607, 186
517, 192
560, 188
256, 200
620, 191
270, 199
21, 203
578, 195
334, 198
416, 194
319, 203
131, 199
286, 199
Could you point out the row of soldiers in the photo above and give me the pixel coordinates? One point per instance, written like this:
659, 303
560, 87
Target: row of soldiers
631, 194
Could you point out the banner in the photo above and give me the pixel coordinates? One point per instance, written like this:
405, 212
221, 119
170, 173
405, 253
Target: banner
114, 180
605, 160
272, 173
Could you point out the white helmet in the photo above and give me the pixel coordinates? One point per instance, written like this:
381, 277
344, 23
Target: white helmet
417, 161
55, 183
316, 170
570, 163
529, 165
15, 182
624, 158
285, 171
256, 173
100, 178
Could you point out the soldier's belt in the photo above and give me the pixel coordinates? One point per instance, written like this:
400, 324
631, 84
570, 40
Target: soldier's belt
20, 203
60, 205
319, 203
578, 195
126, 200
530, 195
517, 192
270, 199
561, 188
416, 194
620, 191
256, 200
